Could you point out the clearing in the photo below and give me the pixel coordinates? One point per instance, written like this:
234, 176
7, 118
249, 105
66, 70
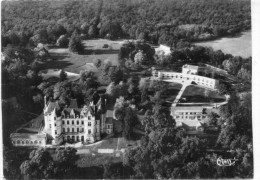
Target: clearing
62, 58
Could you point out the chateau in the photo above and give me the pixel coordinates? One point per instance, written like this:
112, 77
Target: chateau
69, 124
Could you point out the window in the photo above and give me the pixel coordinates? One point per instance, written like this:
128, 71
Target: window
77, 129
82, 129
71, 116
68, 129
89, 131
77, 138
89, 118
89, 123
77, 122
63, 129
72, 129
82, 122
82, 138
68, 122
81, 116
54, 118
35, 142
63, 122
72, 122
187, 113
55, 132
50, 125
55, 124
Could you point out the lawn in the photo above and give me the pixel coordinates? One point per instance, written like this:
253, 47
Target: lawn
62, 58
195, 94
88, 160
170, 94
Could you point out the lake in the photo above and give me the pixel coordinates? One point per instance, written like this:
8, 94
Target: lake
237, 46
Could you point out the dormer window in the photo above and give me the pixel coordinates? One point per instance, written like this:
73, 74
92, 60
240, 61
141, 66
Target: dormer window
54, 118
71, 116
89, 117
81, 116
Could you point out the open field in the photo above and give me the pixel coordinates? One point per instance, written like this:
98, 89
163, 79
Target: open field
237, 46
62, 58
195, 94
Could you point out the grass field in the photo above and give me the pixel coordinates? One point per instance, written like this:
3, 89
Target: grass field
237, 46
195, 94
62, 58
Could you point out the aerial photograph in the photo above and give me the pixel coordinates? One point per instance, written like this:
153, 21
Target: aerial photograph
126, 89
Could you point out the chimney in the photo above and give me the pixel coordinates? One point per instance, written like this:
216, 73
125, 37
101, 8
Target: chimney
45, 100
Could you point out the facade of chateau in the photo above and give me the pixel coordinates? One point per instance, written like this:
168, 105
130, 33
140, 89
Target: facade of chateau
70, 124
189, 74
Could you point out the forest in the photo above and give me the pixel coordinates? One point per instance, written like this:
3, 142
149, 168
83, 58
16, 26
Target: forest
158, 21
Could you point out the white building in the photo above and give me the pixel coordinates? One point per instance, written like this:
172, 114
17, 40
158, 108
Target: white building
70, 124
189, 74
190, 118
162, 49
30, 134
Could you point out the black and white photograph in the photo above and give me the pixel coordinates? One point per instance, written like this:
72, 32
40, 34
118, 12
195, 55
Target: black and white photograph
129, 89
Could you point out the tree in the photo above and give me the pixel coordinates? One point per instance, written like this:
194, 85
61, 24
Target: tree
115, 171
65, 162
14, 39
125, 113
117, 75
75, 44
111, 30
63, 75
62, 41
92, 32
140, 58
39, 165
213, 118
97, 63
88, 80
163, 153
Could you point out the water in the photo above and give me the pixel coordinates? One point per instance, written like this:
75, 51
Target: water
237, 46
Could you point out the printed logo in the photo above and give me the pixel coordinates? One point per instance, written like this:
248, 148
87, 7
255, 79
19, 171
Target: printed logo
226, 162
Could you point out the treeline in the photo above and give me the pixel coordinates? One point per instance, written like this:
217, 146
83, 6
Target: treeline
158, 21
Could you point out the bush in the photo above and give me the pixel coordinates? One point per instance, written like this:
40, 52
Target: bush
105, 46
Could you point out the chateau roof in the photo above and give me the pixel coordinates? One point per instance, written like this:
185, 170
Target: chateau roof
73, 103
52, 105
